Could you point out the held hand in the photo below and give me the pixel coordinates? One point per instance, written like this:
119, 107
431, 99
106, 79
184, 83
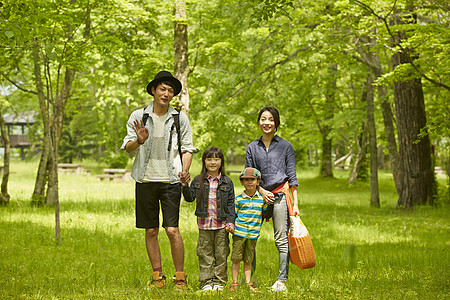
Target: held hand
141, 132
185, 177
229, 228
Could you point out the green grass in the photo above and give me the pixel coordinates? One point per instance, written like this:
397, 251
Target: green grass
362, 252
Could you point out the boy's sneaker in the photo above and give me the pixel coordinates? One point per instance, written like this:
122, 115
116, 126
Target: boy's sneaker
278, 286
207, 287
157, 281
251, 287
218, 287
234, 286
179, 281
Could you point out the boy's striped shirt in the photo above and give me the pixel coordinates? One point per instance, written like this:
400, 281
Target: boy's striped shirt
249, 215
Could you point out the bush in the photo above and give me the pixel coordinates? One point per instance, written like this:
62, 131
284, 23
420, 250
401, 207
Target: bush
116, 160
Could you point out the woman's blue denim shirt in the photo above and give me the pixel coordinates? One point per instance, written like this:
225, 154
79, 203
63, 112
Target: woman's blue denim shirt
276, 164
225, 198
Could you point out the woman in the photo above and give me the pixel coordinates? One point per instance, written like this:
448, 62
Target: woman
275, 158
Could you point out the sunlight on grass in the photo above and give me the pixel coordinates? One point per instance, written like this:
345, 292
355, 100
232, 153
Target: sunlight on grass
362, 235
362, 252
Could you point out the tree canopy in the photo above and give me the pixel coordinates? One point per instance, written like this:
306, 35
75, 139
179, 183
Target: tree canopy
310, 59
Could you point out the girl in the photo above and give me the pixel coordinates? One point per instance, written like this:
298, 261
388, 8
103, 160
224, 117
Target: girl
274, 158
214, 192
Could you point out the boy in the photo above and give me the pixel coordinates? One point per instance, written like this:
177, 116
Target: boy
249, 207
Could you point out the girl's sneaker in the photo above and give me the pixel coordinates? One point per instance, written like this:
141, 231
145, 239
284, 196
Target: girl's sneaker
278, 286
218, 287
207, 287
234, 286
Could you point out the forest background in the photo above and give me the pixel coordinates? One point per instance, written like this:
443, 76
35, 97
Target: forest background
360, 85
363, 84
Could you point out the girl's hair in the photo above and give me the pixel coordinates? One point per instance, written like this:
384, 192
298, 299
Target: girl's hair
274, 112
209, 153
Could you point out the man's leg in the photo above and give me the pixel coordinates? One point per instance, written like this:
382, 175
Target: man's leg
151, 241
170, 205
177, 247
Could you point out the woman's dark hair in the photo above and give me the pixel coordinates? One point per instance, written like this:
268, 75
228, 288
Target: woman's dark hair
209, 153
274, 112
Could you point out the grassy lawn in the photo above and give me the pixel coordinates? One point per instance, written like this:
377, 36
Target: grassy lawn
362, 252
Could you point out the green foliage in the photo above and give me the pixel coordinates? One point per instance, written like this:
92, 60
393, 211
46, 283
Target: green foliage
116, 160
266, 9
81, 136
243, 55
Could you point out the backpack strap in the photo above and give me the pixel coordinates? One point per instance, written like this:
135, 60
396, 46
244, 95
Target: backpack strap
144, 116
176, 124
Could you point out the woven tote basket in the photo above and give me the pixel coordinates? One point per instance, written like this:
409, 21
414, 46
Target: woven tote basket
301, 251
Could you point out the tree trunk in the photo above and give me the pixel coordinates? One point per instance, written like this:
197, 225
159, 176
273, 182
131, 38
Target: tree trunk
38, 196
372, 60
326, 166
389, 130
361, 143
374, 192
417, 174
4, 196
181, 70
55, 135
415, 158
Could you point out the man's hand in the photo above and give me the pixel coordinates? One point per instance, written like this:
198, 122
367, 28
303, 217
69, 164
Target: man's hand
141, 132
185, 177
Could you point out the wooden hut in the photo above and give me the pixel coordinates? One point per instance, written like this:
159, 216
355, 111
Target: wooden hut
17, 125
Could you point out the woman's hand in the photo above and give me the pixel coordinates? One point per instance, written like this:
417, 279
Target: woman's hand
267, 195
141, 132
295, 210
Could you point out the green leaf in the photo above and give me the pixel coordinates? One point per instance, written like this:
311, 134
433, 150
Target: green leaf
9, 34
52, 56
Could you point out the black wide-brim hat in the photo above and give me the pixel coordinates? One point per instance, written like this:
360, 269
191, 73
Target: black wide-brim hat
165, 76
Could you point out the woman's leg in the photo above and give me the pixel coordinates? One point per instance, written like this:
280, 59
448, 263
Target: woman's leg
280, 229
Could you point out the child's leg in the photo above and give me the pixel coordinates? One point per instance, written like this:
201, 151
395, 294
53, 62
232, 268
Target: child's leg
236, 256
247, 272
222, 250
235, 270
205, 253
249, 252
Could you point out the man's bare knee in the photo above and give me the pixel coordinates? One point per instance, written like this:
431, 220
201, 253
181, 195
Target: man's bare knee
151, 233
173, 232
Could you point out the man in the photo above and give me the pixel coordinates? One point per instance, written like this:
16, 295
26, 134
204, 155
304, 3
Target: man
158, 171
